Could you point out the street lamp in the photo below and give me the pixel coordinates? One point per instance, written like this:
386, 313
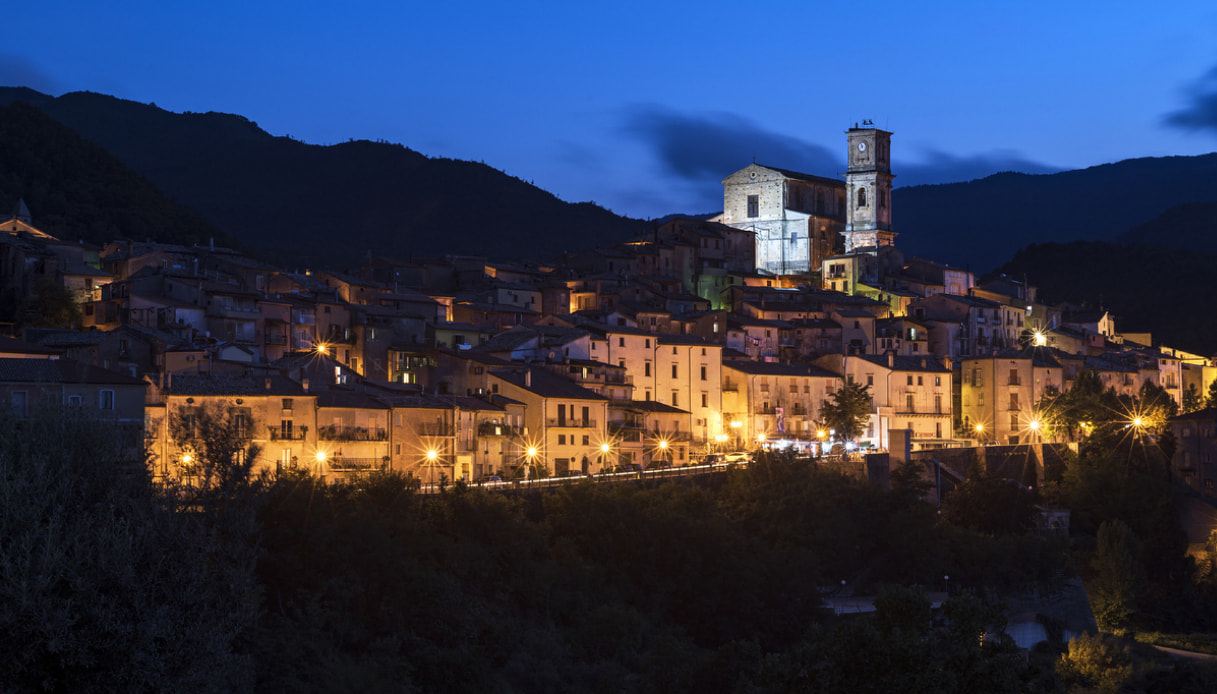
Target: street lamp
531, 453
663, 451
980, 432
432, 459
605, 450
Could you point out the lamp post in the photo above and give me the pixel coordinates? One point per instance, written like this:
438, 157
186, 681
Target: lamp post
663, 451
605, 450
736, 425
980, 433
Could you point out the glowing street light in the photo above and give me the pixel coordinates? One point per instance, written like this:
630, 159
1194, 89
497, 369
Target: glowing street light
320, 456
1040, 338
322, 348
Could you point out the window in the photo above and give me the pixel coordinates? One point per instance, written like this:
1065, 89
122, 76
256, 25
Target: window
703, 373
673, 350
754, 205
870, 379
674, 399
647, 343
882, 195
1014, 401
938, 380
919, 381
1014, 422
647, 369
937, 404
648, 396
74, 400
980, 399
910, 379
674, 373
585, 439
908, 403
705, 399
105, 400
621, 342
561, 439
862, 197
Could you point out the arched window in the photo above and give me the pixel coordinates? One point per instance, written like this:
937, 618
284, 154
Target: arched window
861, 197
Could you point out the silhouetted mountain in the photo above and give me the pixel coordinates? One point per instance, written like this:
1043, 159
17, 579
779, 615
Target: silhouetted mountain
983, 223
1164, 291
76, 190
1192, 226
331, 205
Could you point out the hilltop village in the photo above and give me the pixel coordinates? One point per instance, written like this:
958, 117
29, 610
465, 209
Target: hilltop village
700, 338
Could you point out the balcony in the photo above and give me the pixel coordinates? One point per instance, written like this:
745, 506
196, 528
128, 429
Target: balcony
342, 464
1015, 381
496, 429
572, 423
276, 339
346, 434
296, 434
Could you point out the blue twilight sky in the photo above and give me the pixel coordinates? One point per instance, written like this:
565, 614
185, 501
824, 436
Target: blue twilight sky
645, 106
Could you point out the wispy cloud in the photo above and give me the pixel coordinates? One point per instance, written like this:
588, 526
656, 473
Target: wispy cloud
1200, 113
18, 71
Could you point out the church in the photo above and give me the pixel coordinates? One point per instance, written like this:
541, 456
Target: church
801, 220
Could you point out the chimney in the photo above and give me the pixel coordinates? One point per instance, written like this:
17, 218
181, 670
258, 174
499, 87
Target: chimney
923, 363
891, 360
268, 382
304, 384
528, 378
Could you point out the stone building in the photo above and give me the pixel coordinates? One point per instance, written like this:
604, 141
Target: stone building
800, 219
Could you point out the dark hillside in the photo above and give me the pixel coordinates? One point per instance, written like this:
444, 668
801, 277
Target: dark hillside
1148, 289
981, 223
76, 190
330, 205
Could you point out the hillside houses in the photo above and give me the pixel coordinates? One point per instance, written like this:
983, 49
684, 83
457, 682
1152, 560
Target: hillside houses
695, 337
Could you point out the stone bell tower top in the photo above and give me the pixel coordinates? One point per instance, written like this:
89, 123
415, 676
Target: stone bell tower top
868, 183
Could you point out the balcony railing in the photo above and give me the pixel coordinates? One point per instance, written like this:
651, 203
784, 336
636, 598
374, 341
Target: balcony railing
496, 429
296, 434
575, 423
347, 433
341, 464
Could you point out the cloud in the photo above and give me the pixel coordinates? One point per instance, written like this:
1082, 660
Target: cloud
934, 166
1200, 113
17, 71
707, 147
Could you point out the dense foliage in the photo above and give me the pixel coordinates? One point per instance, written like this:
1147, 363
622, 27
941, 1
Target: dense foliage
230, 582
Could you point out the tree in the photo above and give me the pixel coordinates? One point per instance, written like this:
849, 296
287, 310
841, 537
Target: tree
50, 305
107, 587
1117, 564
846, 410
1096, 663
1192, 400
1210, 399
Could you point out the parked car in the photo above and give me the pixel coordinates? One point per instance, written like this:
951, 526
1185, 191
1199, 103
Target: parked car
738, 457
490, 479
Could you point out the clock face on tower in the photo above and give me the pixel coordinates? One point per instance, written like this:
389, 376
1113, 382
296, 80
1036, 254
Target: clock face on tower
861, 146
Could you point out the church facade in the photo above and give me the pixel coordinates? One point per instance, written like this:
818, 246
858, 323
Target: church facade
800, 219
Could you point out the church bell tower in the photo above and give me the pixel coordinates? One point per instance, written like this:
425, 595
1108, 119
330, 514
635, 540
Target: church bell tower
868, 186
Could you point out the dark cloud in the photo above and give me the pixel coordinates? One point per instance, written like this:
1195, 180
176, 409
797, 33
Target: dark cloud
708, 147
17, 71
940, 167
705, 148
1200, 113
